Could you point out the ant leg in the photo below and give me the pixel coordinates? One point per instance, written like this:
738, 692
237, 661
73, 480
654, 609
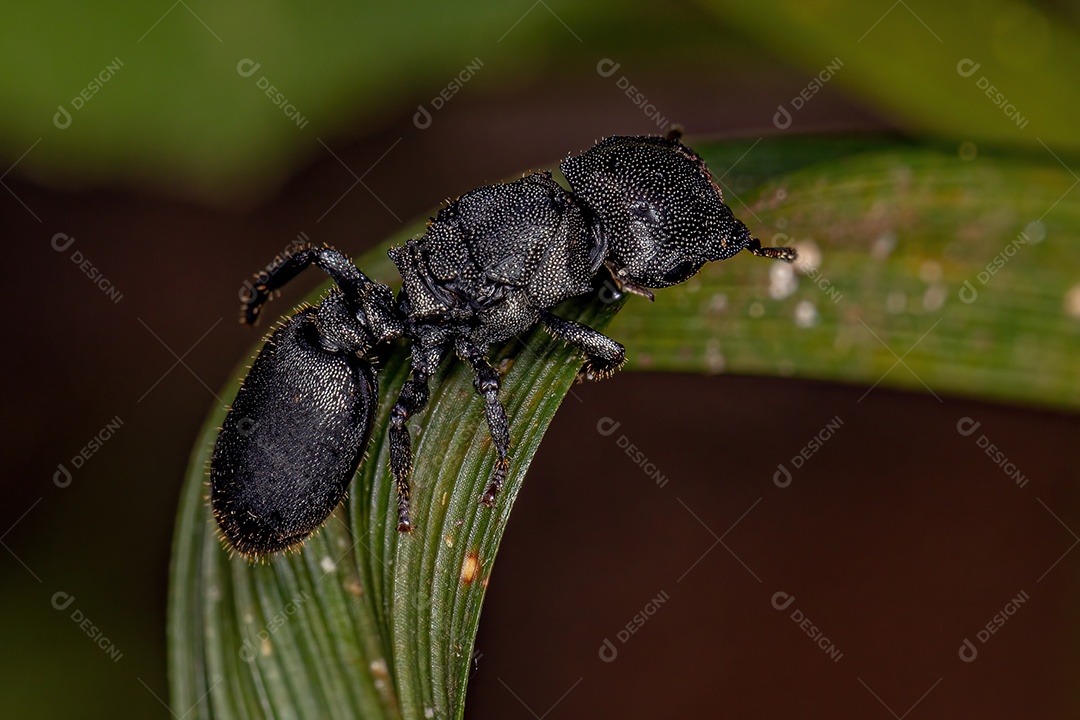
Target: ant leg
487, 386
285, 267
603, 355
412, 399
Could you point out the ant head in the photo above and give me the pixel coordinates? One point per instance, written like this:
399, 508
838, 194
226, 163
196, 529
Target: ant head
656, 207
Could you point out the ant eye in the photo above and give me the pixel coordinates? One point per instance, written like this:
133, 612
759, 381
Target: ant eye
681, 272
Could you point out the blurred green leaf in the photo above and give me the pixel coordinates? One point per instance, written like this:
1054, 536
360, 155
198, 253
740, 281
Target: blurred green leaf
991, 70
225, 101
172, 105
368, 622
156, 94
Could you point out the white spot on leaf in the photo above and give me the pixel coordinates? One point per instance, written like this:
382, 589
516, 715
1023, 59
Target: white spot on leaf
806, 315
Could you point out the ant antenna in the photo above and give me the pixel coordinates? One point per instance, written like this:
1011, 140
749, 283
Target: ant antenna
776, 253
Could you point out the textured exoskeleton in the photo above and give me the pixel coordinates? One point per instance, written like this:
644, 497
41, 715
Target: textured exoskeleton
657, 210
297, 430
490, 266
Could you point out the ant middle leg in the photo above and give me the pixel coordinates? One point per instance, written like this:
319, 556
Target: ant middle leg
487, 385
412, 399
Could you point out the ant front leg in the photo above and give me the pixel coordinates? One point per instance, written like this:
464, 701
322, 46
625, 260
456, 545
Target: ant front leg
603, 355
412, 399
487, 386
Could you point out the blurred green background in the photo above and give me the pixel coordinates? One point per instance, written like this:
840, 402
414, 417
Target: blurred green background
179, 146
